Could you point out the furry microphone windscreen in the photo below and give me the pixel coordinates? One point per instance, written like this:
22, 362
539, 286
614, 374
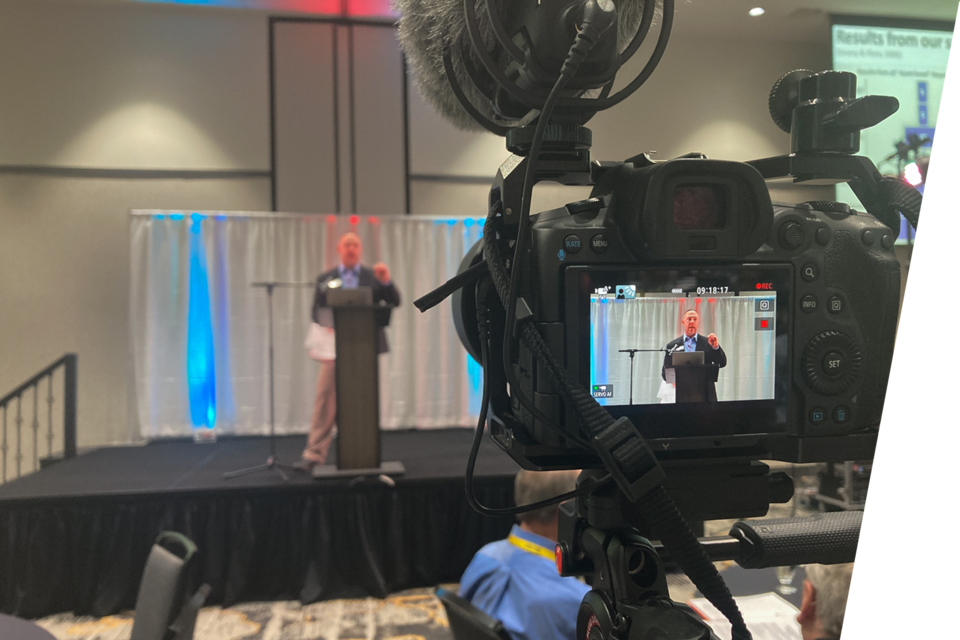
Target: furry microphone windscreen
427, 26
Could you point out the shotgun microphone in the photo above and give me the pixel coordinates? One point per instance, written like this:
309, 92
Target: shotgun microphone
462, 51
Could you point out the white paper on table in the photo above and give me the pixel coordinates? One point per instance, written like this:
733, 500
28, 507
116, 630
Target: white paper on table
768, 616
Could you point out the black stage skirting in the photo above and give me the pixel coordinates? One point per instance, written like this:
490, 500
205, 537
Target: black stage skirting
75, 536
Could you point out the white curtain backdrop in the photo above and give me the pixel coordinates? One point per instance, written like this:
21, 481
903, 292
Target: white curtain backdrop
650, 323
199, 330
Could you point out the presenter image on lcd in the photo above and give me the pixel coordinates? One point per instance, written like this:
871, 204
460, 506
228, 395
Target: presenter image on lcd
691, 341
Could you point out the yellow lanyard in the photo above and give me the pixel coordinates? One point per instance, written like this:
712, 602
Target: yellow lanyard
531, 547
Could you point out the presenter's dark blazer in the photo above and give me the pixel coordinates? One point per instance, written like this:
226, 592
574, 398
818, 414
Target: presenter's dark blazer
385, 296
710, 356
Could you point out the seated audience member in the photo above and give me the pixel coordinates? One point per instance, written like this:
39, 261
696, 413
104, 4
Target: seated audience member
824, 600
515, 580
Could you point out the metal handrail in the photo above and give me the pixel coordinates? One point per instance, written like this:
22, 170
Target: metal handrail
69, 364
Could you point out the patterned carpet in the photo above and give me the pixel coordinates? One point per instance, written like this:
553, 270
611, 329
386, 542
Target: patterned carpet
411, 615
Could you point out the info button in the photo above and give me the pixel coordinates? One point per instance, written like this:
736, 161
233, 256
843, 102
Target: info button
808, 303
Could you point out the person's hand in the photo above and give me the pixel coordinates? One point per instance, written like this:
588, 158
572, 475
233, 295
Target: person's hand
381, 272
712, 339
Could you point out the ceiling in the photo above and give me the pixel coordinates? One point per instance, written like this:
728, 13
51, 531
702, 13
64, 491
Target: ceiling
784, 20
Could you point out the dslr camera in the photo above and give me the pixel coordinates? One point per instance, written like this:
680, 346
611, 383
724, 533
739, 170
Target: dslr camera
677, 327
803, 300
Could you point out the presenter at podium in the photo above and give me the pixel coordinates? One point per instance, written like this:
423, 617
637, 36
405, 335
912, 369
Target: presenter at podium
349, 274
691, 340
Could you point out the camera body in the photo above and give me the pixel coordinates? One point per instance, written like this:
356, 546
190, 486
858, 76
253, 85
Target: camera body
802, 298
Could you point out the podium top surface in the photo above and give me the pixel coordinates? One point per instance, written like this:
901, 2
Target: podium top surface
687, 357
359, 297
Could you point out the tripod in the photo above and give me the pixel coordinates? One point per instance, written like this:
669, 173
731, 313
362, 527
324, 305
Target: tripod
632, 353
272, 462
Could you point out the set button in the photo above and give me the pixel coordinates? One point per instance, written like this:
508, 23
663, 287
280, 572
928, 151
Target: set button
835, 364
830, 363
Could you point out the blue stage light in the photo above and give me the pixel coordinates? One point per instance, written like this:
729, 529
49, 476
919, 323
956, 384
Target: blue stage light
201, 372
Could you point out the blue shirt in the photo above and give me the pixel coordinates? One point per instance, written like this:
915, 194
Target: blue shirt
350, 277
690, 344
523, 590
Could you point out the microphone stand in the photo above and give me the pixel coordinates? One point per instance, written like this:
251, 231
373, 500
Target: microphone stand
632, 353
272, 463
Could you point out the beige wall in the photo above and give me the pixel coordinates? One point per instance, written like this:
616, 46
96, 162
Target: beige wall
133, 86
91, 92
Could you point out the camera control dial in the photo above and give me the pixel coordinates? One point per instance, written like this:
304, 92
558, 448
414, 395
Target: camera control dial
831, 362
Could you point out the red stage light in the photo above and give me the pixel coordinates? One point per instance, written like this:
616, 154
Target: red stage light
373, 220
354, 221
331, 219
369, 8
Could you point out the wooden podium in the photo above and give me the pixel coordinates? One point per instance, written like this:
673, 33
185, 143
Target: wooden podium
693, 381
355, 320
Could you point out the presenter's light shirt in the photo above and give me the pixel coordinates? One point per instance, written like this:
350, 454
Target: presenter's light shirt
516, 581
350, 277
690, 344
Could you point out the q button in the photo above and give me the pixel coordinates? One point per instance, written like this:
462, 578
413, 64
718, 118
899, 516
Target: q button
810, 272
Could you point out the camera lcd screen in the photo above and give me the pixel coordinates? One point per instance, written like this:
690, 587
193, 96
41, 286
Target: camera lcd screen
706, 345
699, 207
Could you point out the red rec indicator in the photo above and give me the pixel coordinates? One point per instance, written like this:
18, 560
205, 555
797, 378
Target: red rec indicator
766, 286
764, 324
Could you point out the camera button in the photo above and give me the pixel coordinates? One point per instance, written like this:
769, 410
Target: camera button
810, 272
841, 414
791, 235
834, 364
869, 236
823, 236
572, 243
818, 415
809, 303
886, 241
835, 304
599, 243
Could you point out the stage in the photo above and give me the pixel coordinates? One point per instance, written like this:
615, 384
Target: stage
75, 536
